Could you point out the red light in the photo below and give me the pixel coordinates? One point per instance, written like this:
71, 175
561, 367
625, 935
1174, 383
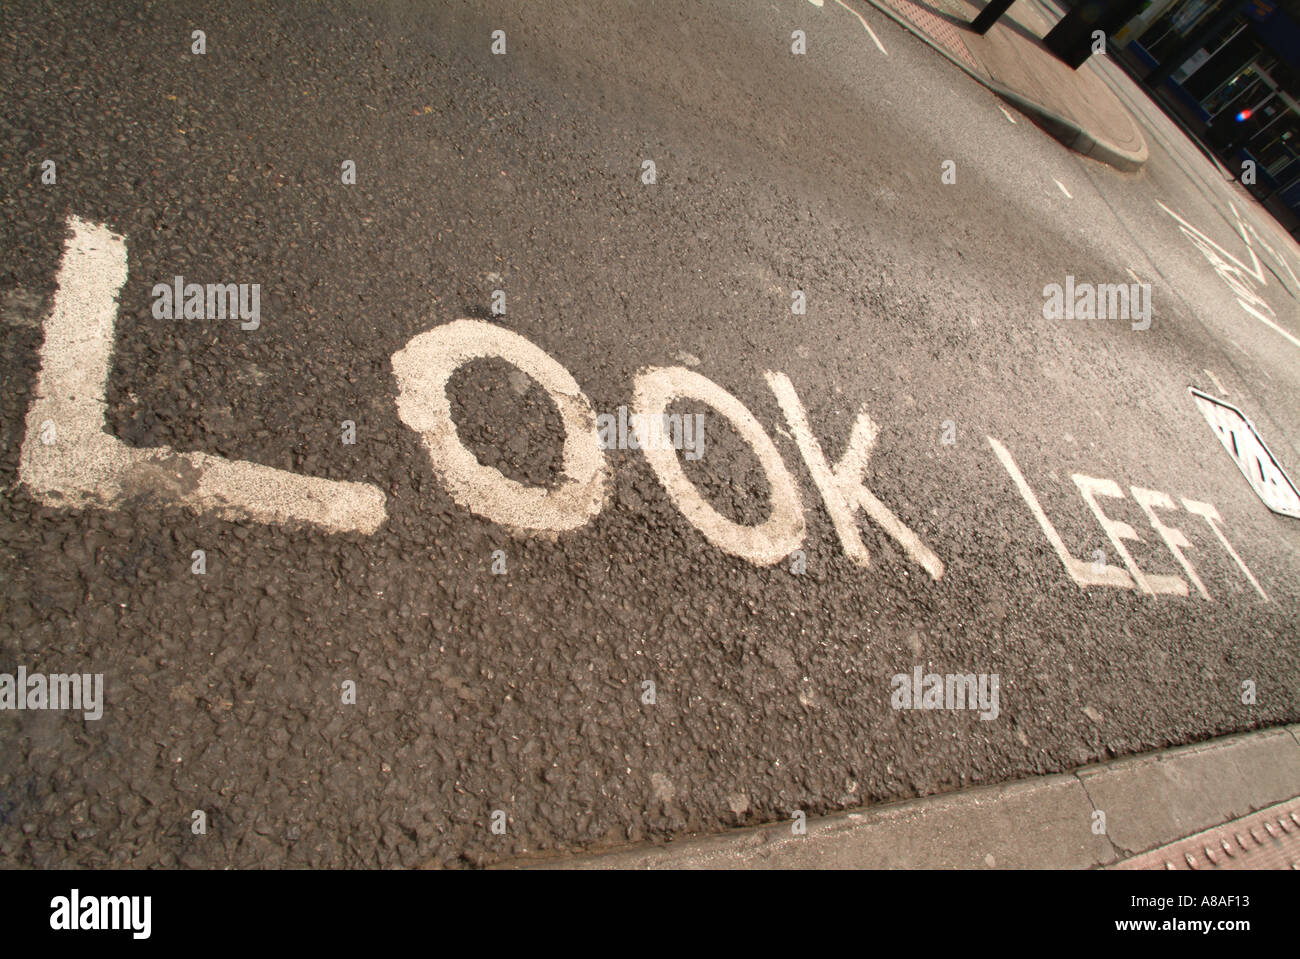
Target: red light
1244, 115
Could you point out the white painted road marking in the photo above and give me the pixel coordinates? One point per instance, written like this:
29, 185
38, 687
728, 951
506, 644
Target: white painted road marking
1234, 273
423, 368
863, 19
777, 537
68, 459
1085, 574
1062, 186
1150, 500
1211, 516
85, 465
1117, 531
842, 487
1243, 226
1080, 571
76, 463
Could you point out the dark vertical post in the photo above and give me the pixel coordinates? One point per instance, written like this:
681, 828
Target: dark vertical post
990, 15
1071, 39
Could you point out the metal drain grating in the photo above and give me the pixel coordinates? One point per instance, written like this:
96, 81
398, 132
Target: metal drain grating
1268, 839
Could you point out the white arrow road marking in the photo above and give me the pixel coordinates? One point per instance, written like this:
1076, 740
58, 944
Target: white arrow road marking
86, 466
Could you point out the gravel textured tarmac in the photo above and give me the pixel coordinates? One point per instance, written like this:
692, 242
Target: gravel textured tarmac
522, 692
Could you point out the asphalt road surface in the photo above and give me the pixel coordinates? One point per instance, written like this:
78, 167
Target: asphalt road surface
332, 690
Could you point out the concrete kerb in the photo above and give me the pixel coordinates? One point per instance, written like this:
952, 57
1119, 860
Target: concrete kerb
1069, 133
1165, 796
1048, 822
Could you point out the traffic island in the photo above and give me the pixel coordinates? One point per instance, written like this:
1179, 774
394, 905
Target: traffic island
1075, 106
